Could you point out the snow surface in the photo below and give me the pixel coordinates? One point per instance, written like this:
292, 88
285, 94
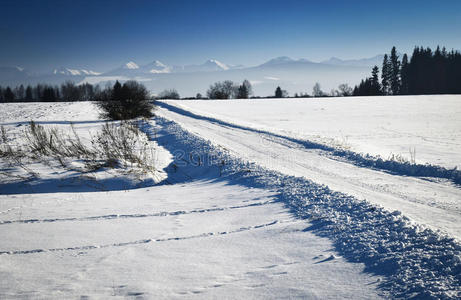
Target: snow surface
131, 65
219, 64
416, 262
242, 213
383, 126
75, 72
199, 238
433, 203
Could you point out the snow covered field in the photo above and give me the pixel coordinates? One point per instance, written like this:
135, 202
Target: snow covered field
432, 202
430, 126
62, 237
240, 213
201, 239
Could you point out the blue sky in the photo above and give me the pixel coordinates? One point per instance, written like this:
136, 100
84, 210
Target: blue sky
100, 35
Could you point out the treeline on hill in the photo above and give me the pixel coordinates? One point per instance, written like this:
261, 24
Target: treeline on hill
67, 91
228, 89
427, 72
117, 102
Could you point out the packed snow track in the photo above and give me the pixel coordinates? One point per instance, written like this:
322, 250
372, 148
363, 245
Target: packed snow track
433, 203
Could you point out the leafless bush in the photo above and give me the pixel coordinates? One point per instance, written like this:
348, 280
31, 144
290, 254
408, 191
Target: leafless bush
6, 150
52, 142
115, 145
125, 144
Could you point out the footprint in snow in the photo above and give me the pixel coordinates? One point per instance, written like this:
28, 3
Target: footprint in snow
269, 267
330, 258
280, 273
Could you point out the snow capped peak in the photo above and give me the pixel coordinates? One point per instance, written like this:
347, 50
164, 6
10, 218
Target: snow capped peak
156, 67
279, 60
333, 58
131, 66
362, 62
214, 62
158, 63
89, 72
20, 69
74, 72
283, 59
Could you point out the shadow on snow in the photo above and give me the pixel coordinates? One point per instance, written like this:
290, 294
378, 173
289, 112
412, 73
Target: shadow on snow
416, 262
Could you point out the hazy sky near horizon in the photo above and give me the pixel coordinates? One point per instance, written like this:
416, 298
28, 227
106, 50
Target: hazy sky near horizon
101, 35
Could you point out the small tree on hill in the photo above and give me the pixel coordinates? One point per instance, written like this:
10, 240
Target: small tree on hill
222, 90
125, 102
169, 94
278, 92
317, 90
244, 90
345, 90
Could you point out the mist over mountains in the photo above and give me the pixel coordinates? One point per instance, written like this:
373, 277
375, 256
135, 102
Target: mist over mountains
294, 75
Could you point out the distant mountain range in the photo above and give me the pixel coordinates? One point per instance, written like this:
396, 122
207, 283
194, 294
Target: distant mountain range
365, 62
294, 75
74, 72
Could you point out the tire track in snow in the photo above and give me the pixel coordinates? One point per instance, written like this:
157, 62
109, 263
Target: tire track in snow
130, 216
147, 241
358, 159
415, 261
418, 202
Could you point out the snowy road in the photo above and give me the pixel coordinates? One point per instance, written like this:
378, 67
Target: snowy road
428, 126
433, 204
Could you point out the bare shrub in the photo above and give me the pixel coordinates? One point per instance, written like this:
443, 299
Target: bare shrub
52, 142
115, 145
169, 94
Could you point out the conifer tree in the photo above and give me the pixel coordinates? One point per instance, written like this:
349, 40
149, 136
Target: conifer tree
29, 96
404, 75
376, 87
9, 95
385, 75
278, 92
19, 92
117, 93
244, 90
394, 72
426, 72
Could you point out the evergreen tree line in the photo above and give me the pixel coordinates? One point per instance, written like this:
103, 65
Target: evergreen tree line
427, 72
67, 91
